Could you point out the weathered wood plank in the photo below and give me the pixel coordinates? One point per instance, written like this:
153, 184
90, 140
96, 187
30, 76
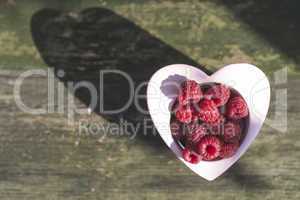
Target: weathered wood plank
43, 157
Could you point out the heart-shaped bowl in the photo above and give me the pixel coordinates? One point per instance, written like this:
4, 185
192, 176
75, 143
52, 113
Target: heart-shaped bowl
248, 80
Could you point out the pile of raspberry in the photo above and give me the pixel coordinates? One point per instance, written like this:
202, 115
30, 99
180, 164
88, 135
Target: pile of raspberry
208, 121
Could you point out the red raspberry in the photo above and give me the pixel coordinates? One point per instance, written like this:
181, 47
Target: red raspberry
236, 108
195, 133
209, 147
190, 92
229, 149
216, 127
194, 118
232, 132
184, 114
190, 156
208, 111
219, 94
220, 120
176, 131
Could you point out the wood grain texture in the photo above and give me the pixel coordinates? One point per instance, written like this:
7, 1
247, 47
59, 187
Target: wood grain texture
44, 157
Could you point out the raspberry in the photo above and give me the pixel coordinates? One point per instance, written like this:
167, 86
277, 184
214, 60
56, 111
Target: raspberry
194, 118
236, 108
190, 92
208, 111
184, 114
209, 147
216, 127
176, 130
229, 149
218, 121
190, 156
232, 132
195, 133
219, 94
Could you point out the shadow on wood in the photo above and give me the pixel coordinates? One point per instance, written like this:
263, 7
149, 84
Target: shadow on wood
83, 44
276, 21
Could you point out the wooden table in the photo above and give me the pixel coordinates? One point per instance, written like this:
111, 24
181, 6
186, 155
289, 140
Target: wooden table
44, 157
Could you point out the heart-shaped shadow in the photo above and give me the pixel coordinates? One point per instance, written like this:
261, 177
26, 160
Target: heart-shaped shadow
82, 44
